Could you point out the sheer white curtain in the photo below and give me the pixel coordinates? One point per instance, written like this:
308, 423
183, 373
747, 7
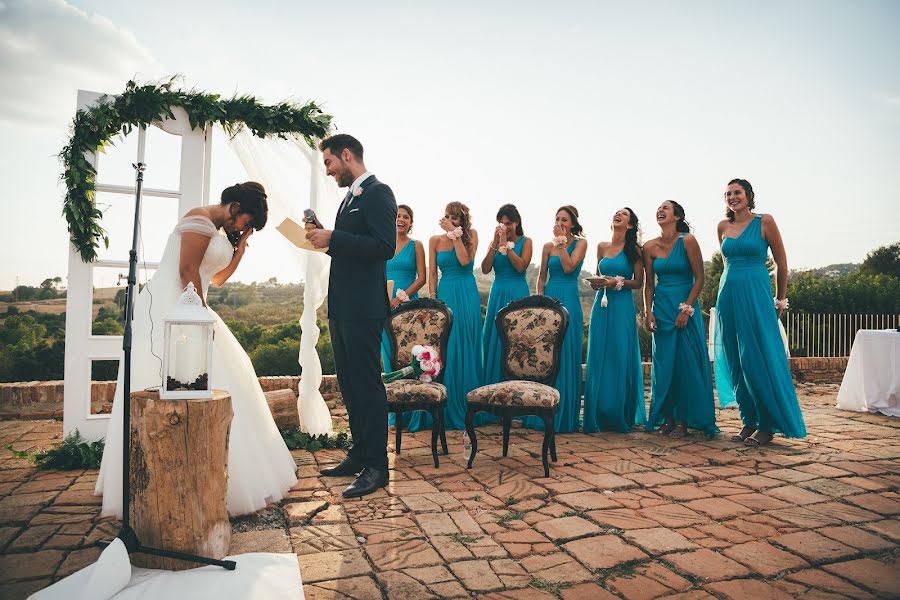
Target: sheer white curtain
295, 179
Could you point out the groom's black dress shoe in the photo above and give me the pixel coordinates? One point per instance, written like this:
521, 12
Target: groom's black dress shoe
347, 467
370, 480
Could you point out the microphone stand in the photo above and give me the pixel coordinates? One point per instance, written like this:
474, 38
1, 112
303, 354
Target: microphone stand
126, 533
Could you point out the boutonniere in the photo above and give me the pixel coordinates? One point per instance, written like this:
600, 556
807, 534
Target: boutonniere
357, 192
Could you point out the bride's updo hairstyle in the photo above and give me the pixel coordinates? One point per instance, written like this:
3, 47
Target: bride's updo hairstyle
251, 196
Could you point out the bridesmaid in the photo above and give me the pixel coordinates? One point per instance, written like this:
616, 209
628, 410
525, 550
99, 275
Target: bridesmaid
452, 254
508, 255
407, 270
561, 260
681, 393
749, 357
614, 383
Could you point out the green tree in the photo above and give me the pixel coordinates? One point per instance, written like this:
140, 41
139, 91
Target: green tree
884, 260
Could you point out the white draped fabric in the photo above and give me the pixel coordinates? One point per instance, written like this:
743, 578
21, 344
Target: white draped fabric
872, 380
295, 179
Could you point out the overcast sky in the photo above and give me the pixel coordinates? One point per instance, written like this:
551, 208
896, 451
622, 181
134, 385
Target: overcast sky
596, 104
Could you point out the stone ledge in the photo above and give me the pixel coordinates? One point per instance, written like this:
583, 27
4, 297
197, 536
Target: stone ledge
44, 399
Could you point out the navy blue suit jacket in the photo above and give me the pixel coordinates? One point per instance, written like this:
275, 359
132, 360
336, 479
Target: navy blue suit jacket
363, 240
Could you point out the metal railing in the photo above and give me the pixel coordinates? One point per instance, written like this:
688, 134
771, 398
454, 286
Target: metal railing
831, 334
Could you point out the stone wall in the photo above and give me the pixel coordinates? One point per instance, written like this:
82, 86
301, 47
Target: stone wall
44, 399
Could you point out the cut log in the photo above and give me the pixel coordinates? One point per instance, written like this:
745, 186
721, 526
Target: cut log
179, 477
283, 406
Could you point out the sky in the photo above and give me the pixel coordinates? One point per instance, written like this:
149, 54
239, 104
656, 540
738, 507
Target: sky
596, 104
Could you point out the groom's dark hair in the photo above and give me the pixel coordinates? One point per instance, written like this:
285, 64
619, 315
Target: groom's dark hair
337, 143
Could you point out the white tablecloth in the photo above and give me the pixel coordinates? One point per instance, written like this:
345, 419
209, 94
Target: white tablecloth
872, 379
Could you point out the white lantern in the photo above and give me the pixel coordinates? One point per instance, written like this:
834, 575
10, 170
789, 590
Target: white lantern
187, 356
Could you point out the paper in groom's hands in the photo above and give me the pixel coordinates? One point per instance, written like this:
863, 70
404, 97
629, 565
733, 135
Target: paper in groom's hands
296, 234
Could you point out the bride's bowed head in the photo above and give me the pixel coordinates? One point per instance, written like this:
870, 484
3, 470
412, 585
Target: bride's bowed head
188, 343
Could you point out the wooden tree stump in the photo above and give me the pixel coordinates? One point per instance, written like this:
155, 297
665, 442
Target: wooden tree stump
179, 477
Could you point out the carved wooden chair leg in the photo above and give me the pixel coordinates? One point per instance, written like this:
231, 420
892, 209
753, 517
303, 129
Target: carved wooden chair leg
470, 429
436, 428
548, 437
443, 432
507, 423
398, 431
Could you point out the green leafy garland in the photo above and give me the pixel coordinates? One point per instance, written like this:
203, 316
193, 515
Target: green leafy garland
141, 105
74, 453
295, 439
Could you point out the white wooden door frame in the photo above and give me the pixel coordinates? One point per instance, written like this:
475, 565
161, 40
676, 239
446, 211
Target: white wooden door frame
82, 347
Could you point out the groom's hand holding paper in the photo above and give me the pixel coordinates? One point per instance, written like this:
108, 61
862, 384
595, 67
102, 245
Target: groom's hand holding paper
297, 235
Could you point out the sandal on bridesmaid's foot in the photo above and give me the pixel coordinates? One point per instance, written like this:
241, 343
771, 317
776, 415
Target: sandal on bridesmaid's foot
759, 438
678, 432
745, 433
666, 428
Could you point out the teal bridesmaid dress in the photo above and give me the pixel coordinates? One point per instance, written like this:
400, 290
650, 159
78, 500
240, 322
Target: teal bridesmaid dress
563, 287
681, 381
508, 285
457, 289
402, 270
614, 382
750, 364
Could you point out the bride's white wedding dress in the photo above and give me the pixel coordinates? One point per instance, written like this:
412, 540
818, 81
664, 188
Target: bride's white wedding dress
260, 467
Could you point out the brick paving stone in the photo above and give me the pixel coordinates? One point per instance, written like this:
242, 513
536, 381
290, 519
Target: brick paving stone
23, 589
402, 554
814, 546
796, 495
583, 591
682, 492
870, 484
847, 512
351, 588
746, 589
436, 523
757, 482
312, 539
830, 487
7, 534
510, 572
559, 567
718, 508
650, 479
324, 566
889, 528
30, 565
567, 528
77, 560
32, 538
758, 502
603, 551
764, 558
431, 502
806, 517
857, 538
822, 470
333, 514
265, 540
637, 587
608, 481
870, 574
400, 585
790, 475
410, 487
587, 501
659, 540
673, 515
822, 580
298, 513
476, 575
878, 503
721, 487
706, 564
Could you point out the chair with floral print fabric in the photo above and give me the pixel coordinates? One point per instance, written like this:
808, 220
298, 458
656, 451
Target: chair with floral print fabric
531, 334
425, 322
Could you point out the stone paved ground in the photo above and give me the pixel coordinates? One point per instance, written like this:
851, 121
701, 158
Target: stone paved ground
629, 516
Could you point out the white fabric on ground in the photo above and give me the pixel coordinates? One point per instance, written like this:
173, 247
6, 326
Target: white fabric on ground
872, 380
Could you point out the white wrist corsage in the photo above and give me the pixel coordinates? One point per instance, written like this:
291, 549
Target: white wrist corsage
782, 304
455, 233
686, 309
402, 296
559, 241
620, 282
504, 249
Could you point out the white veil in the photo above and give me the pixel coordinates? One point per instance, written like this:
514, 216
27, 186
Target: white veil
295, 179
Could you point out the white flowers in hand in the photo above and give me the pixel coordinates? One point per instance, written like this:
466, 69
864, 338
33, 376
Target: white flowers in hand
504, 249
620, 282
781, 304
402, 296
455, 233
559, 241
686, 309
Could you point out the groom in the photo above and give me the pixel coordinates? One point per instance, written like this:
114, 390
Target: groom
363, 240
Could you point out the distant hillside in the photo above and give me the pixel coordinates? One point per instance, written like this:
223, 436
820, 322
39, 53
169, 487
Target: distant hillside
835, 270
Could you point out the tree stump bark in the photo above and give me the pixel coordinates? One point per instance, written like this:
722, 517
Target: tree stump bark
283, 406
179, 477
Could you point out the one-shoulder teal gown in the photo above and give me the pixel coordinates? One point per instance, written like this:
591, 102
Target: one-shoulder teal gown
681, 381
750, 363
508, 285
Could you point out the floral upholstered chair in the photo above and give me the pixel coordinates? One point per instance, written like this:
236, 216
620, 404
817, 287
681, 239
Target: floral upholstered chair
531, 334
424, 321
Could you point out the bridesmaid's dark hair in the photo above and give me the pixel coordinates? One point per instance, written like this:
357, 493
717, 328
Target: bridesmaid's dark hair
577, 229
632, 243
682, 225
251, 196
512, 213
411, 217
458, 209
748, 191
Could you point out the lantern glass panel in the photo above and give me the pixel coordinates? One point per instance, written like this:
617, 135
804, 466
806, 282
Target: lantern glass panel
188, 352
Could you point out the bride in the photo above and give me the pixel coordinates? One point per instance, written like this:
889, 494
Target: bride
260, 467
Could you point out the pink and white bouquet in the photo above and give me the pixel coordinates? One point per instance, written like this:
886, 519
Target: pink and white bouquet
425, 366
